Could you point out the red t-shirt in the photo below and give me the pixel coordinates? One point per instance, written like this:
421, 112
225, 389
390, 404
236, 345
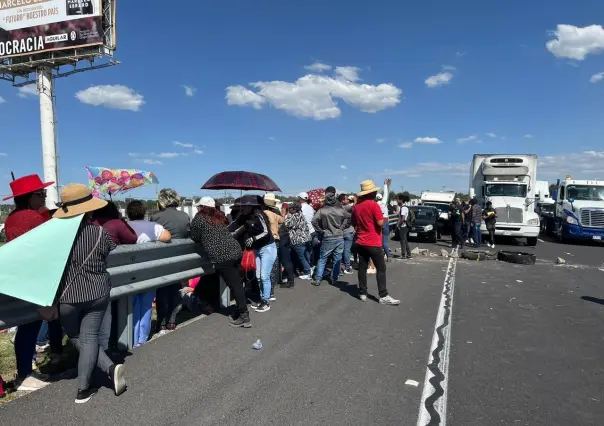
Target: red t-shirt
364, 218
21, 221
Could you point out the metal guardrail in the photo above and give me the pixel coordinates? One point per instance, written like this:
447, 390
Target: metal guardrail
134, 269
392, 219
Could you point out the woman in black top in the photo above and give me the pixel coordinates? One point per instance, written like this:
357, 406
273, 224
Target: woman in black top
209, 230
84, 290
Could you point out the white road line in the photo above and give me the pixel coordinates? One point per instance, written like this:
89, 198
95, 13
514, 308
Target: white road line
540, 240
440, 404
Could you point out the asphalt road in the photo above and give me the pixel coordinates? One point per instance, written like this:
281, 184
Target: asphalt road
525, 345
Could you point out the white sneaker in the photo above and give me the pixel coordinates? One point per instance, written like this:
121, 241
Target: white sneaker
42, 348
388, 300
304, 277
372, 271
31, 383
363, 297
492, 245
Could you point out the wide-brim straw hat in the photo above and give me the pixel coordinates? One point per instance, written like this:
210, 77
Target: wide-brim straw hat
76, 199
270, 200
367, 187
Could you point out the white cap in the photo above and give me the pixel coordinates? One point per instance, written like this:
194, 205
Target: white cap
303, 195
379, 196
206, 201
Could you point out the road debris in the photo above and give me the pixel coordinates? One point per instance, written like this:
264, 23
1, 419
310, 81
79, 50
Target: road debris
257, 345
415, 251
560, 261
444, 253
412, 383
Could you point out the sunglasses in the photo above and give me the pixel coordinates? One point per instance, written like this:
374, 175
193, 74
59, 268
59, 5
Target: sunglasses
41, 193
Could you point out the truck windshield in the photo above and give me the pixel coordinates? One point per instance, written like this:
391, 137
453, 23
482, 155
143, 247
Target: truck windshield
584, 192
505, 190
443, 208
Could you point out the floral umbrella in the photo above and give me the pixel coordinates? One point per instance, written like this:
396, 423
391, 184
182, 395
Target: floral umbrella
316, 197
245, 181
103, 181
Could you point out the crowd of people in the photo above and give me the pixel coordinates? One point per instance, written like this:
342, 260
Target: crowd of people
298, 241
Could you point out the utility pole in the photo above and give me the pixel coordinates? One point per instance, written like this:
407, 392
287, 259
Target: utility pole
49, 147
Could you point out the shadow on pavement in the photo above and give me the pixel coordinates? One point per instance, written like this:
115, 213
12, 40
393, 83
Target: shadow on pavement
593, 299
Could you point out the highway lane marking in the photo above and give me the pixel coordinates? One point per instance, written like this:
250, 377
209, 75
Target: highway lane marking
433, 404
540, 240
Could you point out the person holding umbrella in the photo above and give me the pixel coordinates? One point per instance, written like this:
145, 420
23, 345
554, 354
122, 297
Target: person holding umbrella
257, 235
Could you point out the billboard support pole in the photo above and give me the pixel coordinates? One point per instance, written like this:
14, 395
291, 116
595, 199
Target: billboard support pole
47, 122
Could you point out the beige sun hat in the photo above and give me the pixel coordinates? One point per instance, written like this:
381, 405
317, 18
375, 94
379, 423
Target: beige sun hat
367, 187
270, 200
76, 199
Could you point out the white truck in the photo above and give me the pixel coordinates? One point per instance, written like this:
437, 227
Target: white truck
508, 182
442, 201
542, 192
579, 210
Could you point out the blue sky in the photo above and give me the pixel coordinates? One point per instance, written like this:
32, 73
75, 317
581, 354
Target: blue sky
421, 87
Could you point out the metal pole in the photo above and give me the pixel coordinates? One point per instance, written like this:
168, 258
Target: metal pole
47, 122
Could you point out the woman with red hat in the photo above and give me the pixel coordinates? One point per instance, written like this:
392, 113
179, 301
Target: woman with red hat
29, 194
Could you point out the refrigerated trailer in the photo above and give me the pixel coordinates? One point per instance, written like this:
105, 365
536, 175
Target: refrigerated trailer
508, 181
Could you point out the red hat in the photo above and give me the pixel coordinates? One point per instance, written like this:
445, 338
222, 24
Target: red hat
26, 185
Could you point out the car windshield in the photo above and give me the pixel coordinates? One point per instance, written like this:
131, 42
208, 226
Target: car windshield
424, 212
505, 190
584, 192
443, 208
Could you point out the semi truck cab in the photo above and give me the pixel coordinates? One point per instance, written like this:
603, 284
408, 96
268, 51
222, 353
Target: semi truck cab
579, 210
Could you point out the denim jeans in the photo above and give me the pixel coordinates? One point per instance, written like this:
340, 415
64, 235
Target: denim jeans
265, 258
386, 237
141, 316
477, 234
348, 236
332, 247
303, 252
25, 347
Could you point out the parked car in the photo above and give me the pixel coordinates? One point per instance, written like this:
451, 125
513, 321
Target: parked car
426, 223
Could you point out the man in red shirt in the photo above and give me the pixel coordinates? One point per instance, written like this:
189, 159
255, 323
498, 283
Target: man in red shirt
30, 195
368, 220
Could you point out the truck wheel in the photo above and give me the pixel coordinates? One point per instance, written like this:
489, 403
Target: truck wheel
517, 257
434, 239
531, 241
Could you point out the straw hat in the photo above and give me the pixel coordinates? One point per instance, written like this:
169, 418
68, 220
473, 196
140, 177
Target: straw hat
76, 199
270, 200
206, 201
367, 187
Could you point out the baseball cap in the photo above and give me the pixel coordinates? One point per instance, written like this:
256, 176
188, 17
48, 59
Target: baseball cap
303, 195
206, 201
379, 196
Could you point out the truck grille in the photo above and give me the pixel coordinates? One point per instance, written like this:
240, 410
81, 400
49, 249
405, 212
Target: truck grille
592, 218
509, 215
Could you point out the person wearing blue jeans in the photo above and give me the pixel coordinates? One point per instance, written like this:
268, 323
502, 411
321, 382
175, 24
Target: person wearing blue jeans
330, 221
476, 222
142, 305
265, 259
348, 238
477, 234
303, 251
385, 238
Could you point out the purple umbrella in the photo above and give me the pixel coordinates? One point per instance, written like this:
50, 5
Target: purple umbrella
241, 180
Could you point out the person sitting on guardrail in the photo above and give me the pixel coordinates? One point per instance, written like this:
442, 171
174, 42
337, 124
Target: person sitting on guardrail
224, 252
29, 194
83, 293
147, 231
176, 222
257, 236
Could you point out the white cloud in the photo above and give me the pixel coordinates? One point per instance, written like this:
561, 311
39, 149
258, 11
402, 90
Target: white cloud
528, 136
167, 155
197, 151
581, 165
3, 154
438, 79
405, 145
449, 67
189, 90
343, 167
114, 97
348, 73
460, 54
491, 135
27, 91
597, 77
184, 145
150, 161
428, 140
2, 100
318, 67
380, 140
314, 96
468, 139
272, 138
432, 168
575, 42
134, 154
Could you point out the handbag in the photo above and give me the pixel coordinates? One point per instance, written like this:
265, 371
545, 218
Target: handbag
51, 313
248, 261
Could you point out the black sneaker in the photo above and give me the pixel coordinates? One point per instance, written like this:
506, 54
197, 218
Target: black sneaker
409, 256
116, 373
85, 395
284, 285
291, 283
316, 283
242, 321
263, 307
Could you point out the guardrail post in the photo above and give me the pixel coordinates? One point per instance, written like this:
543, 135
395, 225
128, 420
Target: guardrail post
125, 330
225, 294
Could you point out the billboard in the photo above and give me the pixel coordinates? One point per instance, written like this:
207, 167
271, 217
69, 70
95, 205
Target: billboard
34, 26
